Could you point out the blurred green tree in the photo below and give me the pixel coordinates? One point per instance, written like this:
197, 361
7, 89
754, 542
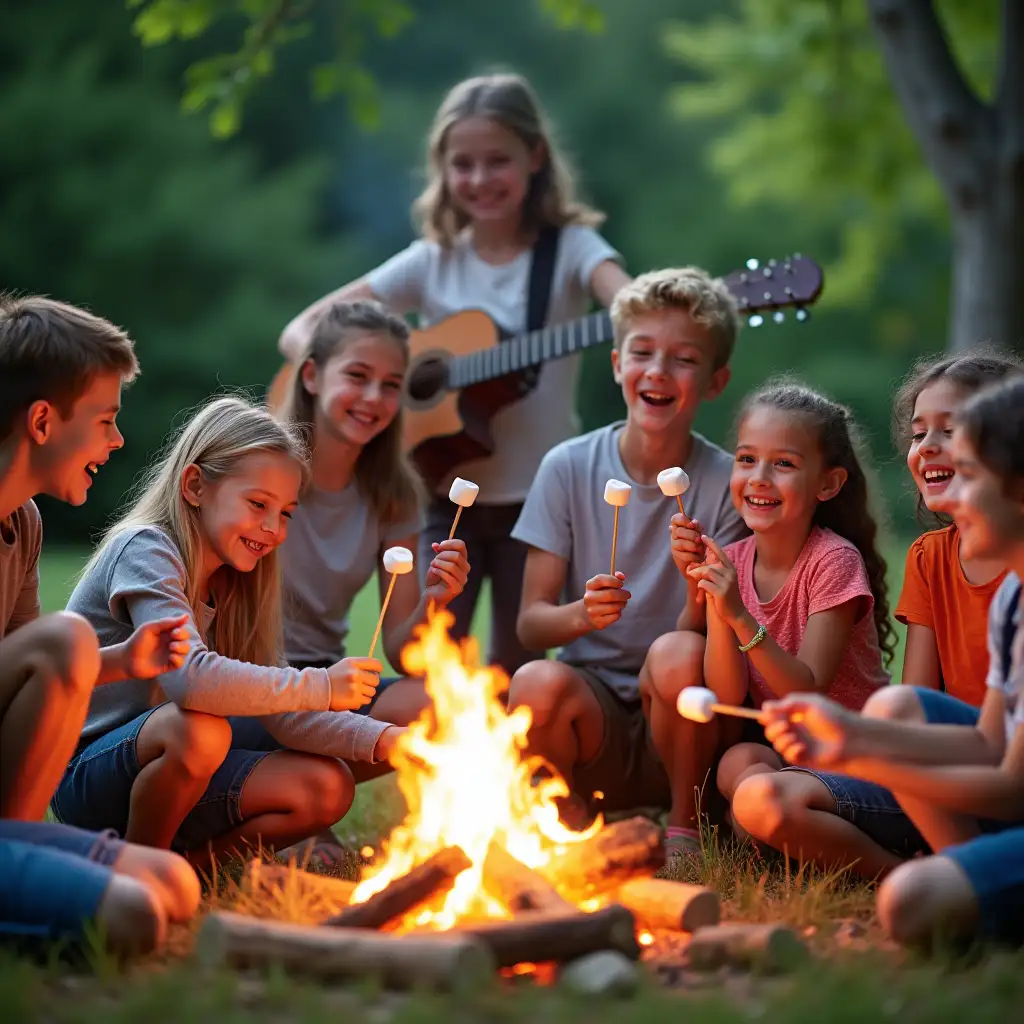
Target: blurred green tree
874, 118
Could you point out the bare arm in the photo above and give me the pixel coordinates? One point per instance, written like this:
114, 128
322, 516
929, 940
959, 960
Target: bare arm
295, 337
921, 659
608, 277
543, 622
725, 665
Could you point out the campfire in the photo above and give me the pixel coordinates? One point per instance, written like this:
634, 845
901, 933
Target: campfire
481, 875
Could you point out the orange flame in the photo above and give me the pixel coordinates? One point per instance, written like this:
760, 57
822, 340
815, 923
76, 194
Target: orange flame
466, 781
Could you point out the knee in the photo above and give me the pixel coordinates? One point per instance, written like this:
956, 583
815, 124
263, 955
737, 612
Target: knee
196, 742
179, 881
735, 761
899, 703
902, 901
544, 687
70, 652
326, 791
762, 806
131, 917
674, 661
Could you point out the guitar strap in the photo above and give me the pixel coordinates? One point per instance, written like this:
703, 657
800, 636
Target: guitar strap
542, 275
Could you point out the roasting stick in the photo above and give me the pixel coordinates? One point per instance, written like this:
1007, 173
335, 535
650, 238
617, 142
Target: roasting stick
397, 561
701, 705
616, 493
463, 493
674, 483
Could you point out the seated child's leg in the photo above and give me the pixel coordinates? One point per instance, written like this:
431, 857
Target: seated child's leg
47, 672
743, 761
52, 893
972, 890
832, 821
399, 701
568, 722
687, 749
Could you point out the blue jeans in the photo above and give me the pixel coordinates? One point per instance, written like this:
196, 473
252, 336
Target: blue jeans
873, 808
95, 792
52, 878
994, 865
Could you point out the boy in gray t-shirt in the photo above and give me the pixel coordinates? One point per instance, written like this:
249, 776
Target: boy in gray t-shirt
596, 717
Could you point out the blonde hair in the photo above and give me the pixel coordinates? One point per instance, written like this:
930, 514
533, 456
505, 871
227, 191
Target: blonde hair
510, 101
690, 289
248, 625
382, 472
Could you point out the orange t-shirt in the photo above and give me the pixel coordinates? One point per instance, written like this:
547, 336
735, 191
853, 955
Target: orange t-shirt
936, 594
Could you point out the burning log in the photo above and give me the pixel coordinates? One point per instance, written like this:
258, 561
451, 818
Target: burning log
518, 887
767, 947
453, 960
600, 974
658, 903
619, 852
434, 876
558, 937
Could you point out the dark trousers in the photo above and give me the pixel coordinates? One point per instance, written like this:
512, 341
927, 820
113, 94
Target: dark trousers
494, 555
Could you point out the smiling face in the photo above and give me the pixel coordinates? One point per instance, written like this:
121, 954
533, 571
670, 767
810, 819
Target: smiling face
929, 457
989, 514
487, 169
66, 453
358, 390
666, 369
244, 516
779, 476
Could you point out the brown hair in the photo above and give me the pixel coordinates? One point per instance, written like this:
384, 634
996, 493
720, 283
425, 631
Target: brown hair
50, 351
970, 373
382, 472
689, 289
849, 513
510, 101
993, 422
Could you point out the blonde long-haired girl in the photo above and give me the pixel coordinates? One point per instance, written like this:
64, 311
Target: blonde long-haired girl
495, 181
229, 749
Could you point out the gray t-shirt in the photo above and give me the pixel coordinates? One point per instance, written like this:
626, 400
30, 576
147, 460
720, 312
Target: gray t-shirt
566, 515
1008, 678
139, 577
334, 545
435, 282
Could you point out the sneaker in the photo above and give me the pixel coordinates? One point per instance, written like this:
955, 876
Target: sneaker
679, 849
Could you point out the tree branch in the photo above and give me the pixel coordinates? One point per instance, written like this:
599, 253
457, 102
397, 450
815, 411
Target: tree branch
1010, 94
954, 128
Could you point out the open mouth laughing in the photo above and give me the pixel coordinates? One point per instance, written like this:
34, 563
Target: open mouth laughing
658, 399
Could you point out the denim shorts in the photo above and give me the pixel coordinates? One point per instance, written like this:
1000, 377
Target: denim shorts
994, 865
52, 878
873, 808
95, 792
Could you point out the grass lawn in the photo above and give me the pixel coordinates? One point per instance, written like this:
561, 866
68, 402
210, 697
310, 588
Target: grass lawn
854, 977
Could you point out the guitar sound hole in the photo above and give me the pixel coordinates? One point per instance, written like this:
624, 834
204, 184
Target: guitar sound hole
427, 378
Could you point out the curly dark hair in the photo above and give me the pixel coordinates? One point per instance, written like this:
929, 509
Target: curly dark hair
849, 513
969, 372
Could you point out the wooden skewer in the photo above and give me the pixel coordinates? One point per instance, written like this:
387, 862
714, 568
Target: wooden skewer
736, 712
458, 512
679, 499
383, 609
615, 538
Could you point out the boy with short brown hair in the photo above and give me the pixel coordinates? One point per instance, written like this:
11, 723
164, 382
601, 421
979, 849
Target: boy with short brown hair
596, 718
61, 373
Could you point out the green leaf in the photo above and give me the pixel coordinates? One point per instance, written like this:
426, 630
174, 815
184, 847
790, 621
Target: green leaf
226, 118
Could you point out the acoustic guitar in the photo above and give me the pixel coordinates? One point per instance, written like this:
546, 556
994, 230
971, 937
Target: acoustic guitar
463, 370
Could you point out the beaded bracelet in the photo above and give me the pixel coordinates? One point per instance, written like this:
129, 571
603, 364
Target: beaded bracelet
755, 639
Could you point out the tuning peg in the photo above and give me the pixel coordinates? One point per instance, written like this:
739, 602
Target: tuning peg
755, 320
779, 316
802, 315
752, 264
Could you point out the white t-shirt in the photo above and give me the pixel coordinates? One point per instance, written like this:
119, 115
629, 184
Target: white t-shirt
435, 283
1004, 617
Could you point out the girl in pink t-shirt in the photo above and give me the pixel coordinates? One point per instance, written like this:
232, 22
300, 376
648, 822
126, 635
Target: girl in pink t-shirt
801, 605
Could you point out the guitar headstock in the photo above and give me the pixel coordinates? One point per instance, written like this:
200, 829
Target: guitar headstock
793, 282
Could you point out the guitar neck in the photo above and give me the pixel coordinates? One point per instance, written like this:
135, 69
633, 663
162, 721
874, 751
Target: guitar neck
530, 349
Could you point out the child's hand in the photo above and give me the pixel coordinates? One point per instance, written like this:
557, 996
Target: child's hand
686, 544
353, 682
809, 730
604, 599
717, 578
448, 572
387, 742
155, 648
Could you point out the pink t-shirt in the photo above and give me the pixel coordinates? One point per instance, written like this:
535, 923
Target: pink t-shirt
828, 573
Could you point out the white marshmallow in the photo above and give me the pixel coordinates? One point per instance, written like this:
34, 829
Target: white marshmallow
673, 481
398, 560
463, 492
617, 493
696, 703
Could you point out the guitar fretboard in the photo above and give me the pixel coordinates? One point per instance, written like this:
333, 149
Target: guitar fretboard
530, 349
